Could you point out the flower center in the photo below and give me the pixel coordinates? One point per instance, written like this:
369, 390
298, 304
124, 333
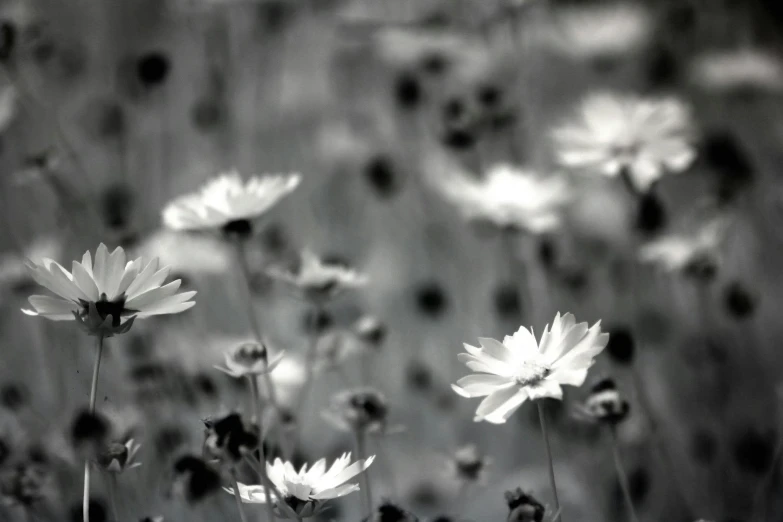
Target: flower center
106, 308
249, 355
239, 228
531, 373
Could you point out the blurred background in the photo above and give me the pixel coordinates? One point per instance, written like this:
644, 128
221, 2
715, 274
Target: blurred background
109, 109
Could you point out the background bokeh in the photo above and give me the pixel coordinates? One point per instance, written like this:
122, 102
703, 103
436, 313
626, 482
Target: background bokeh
139, 101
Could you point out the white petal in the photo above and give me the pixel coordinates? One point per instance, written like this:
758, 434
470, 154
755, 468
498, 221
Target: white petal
84, 279
100, 268
345, 475
337, 492
478, 385
494, 401
169, 303
150, 297
495, 349
114, 272
502, 413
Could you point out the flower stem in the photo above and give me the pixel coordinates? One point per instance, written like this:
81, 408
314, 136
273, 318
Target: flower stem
621, 476
93, 393
238, 497
256, 396
310, 358
113, 497
542, 419
361, 454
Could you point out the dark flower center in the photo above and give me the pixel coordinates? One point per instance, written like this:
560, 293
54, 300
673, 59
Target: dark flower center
106, 308
249, 354
238, 228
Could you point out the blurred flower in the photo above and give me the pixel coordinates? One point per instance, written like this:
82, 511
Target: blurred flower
319, 281
738, 70
518, 369
118, 458
90, 433
370, 330
468, 463
599, 32
228, 203
108, 296
230, 438
248, 359
194, 478
639, 138
334, 348
693, 253
604, 404
523, 507
510, 197
305, 491
26, 483
389, 512
358, 410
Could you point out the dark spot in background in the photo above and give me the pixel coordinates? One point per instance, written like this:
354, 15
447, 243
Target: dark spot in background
8, 37
663, 70
653, 326
738, 301
454, 111
89, 428
169, 439
274, 239
96, 509
274, 15
418, 376
104, 119
317, 322
205, 385
606, 63
425, 495
431, 299
434, 63
703, 447
208, 114
458, 139
408, 91
574, 278
639, 484
117, 203
13, 396
489, 96
725, 155
621, 345
753, 450
380, 173
651, 214
152, 68
507, 302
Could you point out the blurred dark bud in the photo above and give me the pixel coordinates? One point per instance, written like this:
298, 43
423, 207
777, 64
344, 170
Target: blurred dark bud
274, 239
408, 91
663, 70
458, 139
431, 300
508, 304
702, 268
359, 410
434, 63
738, 301
389, 512
89, 430
117, 205
651, 214
96, 510
104, 119
753, 450
418, 376
547, 252
5, 452
425, 495
13, 396
153, 68
208, 114
489, 96
639, 484
194, 479
523, 507
455, 112
621, 345
446, 401
605, 404
316, 322
238, 229
274, 15
725, 155
469, 463
574, 278
25, 483
380, 173
169, 439
502, 120
606, 63
71, 61
230, 438
8, 38
205, 385
703, 447
370, 330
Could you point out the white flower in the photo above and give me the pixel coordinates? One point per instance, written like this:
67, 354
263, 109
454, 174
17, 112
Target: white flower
249, 359
738, 69
518, 369
226, 200
641, 138
601, 31
318, 280
686, 250
106, 295
510, 197
303, 491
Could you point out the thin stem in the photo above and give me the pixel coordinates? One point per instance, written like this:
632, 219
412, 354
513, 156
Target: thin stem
256, 397
310, 358
542, 419
93, 393
238, 497
621, 476
113, 497
361, 454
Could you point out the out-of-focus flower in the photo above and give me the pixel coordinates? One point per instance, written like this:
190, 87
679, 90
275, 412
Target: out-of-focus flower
518, 369
229, 203
738, 70
194, 478
640, 138
523, 507
694, 253
510, 197
370, 330
334, 348
605, 404
90, 433
118, 458
601, 32
319, 281
469, 464
107, 296
305, 491
248, 359
389, 511
26, 483
228, 438
358, 410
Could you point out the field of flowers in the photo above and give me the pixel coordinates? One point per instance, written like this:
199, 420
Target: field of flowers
391, 260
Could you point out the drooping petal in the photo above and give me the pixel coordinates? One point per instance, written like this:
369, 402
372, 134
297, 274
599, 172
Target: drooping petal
494, 401
505, 410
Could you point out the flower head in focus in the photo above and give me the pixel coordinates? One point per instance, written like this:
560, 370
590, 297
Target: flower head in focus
519, 368
605, 404
248, 359
639, 138
117, 457
358, 410
304, 491
510, 197
319, 281
106, 296
229, 203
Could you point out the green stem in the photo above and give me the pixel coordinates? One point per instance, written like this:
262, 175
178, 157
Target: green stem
238, 497
552, 483
621, 476
256, 397
361, 454
93, 394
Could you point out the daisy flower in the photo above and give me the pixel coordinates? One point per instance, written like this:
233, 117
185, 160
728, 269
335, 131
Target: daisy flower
306, 490
319, 281
693, 253
248, 359
519, 368
510, 197
640, 138
229, 203
108, 295
605, 404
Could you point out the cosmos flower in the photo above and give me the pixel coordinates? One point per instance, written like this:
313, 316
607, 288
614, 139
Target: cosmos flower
360, 409
518, 369
229, 203
319, 281
605, 404
640, 138
117, 457
306, 490
738, 70
249, 359
106, 296
510, 197
694, 252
